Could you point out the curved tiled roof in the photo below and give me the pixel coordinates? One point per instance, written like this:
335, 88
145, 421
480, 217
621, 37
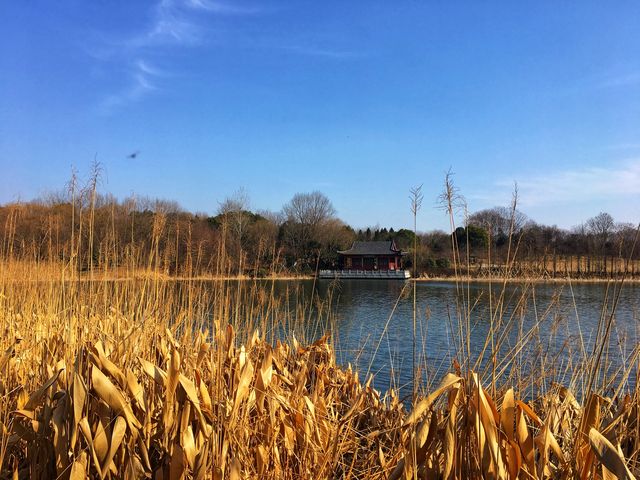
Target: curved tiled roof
372, 248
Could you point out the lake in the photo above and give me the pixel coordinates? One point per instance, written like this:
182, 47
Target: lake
372, 326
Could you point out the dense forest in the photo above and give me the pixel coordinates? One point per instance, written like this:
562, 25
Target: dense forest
96, 232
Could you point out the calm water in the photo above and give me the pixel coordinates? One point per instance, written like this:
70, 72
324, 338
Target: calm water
372, 322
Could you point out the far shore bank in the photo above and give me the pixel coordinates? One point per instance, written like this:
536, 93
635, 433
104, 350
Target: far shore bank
282, 278
49, 272
166, 278
525, 279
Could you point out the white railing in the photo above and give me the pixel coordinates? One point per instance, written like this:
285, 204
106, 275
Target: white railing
381, 274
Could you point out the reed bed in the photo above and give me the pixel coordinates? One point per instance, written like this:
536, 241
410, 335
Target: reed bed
165, 380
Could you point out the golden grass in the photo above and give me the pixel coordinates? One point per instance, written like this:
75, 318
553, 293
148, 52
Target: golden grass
149, 379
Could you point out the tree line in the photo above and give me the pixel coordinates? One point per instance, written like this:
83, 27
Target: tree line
92, 231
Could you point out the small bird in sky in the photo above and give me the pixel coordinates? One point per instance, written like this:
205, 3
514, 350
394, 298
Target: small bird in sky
134, 154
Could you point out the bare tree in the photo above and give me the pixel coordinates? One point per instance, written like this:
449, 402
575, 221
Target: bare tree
306, 214
277, 218
234, 212
234, 208
602, 226
625, 235
497, 220
309, 209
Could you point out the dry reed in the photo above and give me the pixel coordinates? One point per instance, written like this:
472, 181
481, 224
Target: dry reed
117, 380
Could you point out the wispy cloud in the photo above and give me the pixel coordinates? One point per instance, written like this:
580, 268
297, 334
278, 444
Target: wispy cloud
624, 146
621, 80
174, 23
320, 52
178, 22
222, 7
617, 181
140, 84
150, 70
171, 25
604, 82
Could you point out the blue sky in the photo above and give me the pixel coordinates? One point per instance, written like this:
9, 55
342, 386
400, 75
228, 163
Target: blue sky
360, 100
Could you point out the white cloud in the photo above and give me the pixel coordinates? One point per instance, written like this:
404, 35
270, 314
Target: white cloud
624, 146
170, 25
320, 52
222, 7
140, 85
623, 80
148, 69
580, 185
174, 23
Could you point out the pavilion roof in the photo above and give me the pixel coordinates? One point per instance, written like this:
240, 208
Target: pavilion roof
372, 248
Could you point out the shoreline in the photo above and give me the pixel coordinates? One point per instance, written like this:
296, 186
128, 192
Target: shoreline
524, 280
223, 278
46, 273
159, 277
450, 279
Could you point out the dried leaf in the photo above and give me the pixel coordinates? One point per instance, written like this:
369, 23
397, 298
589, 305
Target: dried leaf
609, 456
119, 430
156, 373
508, 415
36, 396
235, 470
109, 393
424, 404
79, 467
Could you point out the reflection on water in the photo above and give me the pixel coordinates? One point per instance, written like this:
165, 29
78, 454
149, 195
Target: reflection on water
560, 322
372, 325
